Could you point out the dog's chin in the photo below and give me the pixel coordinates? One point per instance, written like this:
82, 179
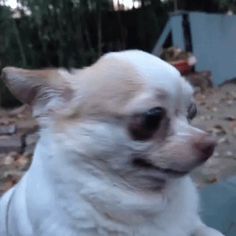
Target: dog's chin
164, 178
172, 173
152, 177
161, 175
155, 180
149, 166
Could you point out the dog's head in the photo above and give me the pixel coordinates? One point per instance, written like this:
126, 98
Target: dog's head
126, 117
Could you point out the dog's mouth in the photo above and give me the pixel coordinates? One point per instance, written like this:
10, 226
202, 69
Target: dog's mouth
148, 165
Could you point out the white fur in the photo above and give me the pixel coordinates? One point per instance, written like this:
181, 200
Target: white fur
69, 191
53, 199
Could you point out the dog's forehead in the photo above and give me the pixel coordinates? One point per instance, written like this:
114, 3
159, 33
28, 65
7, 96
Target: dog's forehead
130, 80
153, 72
145, 62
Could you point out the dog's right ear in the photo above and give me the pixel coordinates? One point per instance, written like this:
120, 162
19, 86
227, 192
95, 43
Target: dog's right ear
45, 90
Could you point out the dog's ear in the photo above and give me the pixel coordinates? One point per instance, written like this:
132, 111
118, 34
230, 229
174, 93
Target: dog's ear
45, 90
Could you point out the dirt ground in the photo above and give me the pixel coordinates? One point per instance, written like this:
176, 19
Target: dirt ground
216, 114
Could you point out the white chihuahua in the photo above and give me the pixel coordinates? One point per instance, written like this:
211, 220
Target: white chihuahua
115, 147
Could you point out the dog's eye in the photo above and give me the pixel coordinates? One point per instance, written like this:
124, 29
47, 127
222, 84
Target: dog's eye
143, 126
192, 111
152, 118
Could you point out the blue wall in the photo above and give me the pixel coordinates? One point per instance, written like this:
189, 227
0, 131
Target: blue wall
176, 23
214, 44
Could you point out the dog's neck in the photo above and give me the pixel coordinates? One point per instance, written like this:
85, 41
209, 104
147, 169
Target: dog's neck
82, 190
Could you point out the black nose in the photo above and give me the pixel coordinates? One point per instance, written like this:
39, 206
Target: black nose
205, 146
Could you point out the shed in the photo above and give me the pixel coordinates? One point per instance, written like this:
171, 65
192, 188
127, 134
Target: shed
210, 37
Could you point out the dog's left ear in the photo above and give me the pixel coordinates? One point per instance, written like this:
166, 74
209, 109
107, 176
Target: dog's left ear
45, 90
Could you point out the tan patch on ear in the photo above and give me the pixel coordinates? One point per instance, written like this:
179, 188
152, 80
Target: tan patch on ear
26, 85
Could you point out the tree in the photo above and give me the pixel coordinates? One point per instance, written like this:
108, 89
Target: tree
51, 33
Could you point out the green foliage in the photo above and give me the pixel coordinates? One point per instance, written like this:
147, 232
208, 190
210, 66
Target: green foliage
59, 29
228, 5
49, 33
9, 49
203, 5
72, 33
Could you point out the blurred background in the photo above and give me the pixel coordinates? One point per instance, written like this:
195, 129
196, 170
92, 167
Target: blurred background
197, 37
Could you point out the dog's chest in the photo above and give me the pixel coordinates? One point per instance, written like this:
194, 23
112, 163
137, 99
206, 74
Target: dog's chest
108, 228
116, 218
108, 211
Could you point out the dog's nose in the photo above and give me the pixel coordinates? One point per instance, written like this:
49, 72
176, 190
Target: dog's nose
205, 146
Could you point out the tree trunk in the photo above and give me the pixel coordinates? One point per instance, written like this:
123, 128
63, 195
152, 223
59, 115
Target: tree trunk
99, 28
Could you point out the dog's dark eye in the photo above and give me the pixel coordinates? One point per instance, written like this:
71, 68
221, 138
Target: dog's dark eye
143, 126
152, 118
192, 111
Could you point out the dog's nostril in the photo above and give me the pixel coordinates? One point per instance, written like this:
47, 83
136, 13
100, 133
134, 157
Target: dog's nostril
205, 146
